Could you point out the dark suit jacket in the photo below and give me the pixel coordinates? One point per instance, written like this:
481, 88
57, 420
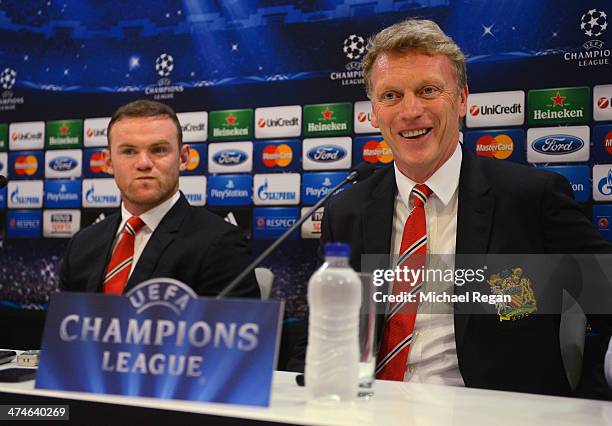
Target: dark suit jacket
502, 208
190, 244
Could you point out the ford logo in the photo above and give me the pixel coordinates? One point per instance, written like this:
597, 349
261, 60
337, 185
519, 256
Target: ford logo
62, 164
230, 157
557, 144
326, 153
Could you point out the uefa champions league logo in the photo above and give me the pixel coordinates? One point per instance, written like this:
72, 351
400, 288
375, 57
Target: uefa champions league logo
593, 23
354, 47
164, 64
8, 78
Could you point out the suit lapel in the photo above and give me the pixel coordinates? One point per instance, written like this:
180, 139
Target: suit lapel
378, 214
377, 227
103, 246
163, 235
474, 220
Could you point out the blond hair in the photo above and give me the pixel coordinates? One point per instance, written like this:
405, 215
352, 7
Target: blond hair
413, 34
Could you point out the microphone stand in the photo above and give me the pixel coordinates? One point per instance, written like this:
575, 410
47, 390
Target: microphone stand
353, 175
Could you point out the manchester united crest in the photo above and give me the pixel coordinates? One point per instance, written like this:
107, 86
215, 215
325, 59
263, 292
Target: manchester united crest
512, 282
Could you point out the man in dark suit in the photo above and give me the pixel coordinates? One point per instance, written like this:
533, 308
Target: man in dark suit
416, 79
156, 233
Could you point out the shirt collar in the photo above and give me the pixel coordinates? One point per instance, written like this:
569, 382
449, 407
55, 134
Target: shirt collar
152, 217
443, 182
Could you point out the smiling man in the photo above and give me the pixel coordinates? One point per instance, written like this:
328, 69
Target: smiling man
156, 233
440, 199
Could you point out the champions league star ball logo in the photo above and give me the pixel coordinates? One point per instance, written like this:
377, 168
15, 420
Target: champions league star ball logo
7, 78
354, 47
164, 65
594, 23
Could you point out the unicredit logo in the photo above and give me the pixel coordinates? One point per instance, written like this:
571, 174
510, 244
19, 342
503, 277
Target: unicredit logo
362, 116
95, 132
189, 127
230, 157
603, 103
476, 110
326, 153
277, 122
557, 144
27, 136
62, 164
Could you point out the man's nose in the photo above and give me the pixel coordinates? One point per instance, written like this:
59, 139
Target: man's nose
411, 107
143, 161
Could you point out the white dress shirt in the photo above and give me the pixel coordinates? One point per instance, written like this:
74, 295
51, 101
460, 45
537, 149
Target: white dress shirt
151, 219
433, 352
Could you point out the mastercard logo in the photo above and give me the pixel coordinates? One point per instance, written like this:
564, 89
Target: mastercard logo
26, 165
194, 159
277, 155
608, 143
377, 152
500, 146
96, 163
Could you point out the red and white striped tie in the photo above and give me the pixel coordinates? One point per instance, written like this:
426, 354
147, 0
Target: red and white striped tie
120, 264
397, 335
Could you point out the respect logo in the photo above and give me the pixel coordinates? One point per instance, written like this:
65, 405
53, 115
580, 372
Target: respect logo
498, 146
277, 155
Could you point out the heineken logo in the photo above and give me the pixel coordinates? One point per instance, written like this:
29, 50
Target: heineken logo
559, 106
327, 119
557, 100
231, 124
327, 114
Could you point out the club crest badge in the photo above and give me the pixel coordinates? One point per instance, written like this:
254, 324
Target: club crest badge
512, 282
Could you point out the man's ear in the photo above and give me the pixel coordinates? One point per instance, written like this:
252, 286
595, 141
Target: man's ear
374, 120
108, 163
463, 96
184, 157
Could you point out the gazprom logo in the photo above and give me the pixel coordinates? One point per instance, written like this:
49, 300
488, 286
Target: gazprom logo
326, 153
264, 194
230, 157
63, 164
93, 198
557, 144
18, 199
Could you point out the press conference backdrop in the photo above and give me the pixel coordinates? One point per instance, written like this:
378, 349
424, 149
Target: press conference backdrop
272, 104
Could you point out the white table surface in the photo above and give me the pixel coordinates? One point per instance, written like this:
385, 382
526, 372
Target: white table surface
395, 403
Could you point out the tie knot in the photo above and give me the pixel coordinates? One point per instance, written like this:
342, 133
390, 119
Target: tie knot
420, 193
133, 225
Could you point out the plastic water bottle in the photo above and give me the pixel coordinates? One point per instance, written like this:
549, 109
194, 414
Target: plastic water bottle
332, 355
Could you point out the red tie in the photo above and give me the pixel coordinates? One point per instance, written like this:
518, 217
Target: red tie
397, 335
120, 264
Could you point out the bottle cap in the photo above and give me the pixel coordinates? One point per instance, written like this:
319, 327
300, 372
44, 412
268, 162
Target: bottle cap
337, 250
